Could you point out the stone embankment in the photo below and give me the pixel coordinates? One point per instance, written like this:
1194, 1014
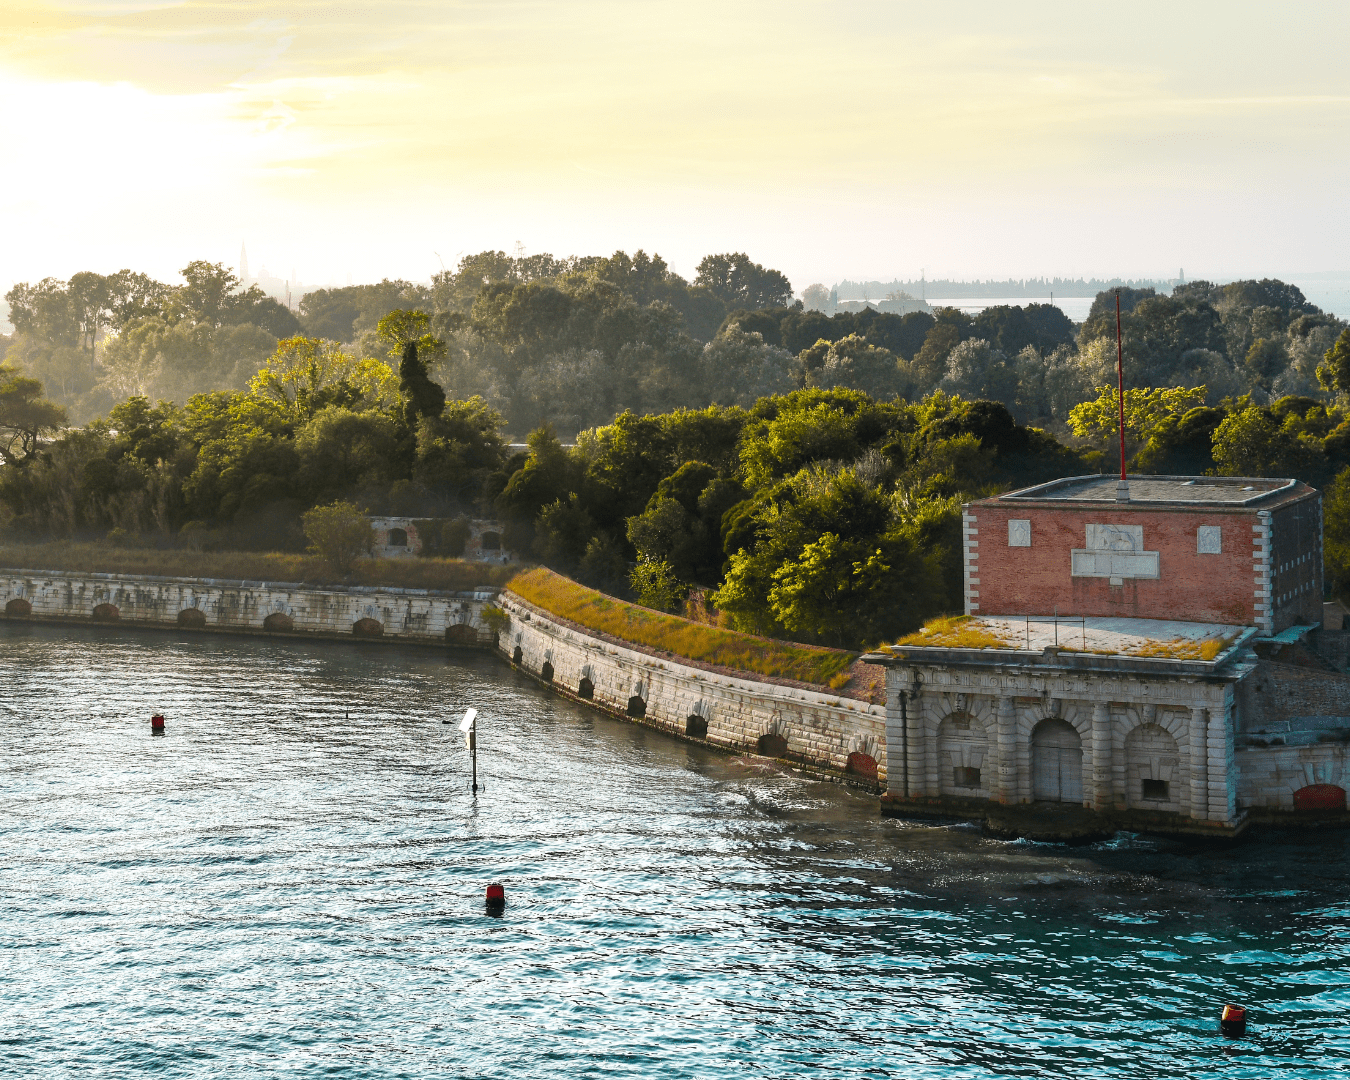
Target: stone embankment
823, 732
253, 607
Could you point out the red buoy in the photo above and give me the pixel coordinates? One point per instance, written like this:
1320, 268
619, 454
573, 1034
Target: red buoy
156, 722
1233, 1021
496, 897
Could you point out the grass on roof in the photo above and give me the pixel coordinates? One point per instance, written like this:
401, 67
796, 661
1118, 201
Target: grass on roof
670, 633
441, 575
956, 632
1183, 649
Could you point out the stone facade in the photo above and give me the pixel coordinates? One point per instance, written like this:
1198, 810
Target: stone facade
818, 729
415, 615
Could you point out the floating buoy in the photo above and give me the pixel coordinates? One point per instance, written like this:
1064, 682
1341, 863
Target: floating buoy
1233, 1021
496, 897
156, 722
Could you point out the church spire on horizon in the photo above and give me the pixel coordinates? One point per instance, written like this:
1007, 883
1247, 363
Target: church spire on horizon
243, 263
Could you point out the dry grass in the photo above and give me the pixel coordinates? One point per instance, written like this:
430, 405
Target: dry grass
442, 575
670, 633
1184, 649
955, 632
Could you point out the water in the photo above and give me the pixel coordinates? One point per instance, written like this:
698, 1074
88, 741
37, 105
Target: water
1075, 307
273, 889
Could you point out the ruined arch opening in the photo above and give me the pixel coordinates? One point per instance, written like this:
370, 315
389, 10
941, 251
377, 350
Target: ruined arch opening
861, 764
18, 608
637, 708
517, 655
586, 689
491, 541
368, 628
192, 618
771, 744
1323, 797
1056, 762
106, 613
278, 622
461, 634
696, 727
398, 538
546, 672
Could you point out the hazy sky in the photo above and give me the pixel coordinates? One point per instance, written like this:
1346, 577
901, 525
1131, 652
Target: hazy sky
827, 140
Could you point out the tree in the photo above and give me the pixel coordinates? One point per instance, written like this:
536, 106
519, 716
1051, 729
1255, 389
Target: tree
1145, 409
305, 374
25, 413
339, 534
738, 282
656, 585
1334, 371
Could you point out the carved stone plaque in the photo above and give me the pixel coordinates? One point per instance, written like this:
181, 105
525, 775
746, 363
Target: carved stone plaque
1019, 532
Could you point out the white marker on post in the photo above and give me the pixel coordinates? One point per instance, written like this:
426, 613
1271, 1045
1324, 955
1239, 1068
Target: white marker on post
469, 725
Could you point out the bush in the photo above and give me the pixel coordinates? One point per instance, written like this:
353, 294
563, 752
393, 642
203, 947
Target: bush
339, 534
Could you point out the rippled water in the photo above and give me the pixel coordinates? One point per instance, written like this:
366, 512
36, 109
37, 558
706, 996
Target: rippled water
290, 883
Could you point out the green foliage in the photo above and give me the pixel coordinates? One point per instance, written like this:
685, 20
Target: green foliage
656, 585
339, 534
25, 413
1334, 372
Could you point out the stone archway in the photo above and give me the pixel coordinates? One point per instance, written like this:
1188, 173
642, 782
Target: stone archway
962, 749
106, 613
517, 656
368, 628
860, 764
771, 744
696, 727
461, 634
1152, 769
637, 707
586, 689
398, 538
278, 622
192, 618
18, 608
1056, 762
546, 672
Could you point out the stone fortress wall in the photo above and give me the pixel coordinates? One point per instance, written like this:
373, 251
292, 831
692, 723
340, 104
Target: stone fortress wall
411, 615
819, 729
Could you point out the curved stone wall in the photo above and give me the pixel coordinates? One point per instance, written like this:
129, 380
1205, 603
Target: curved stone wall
819, 729
409, 615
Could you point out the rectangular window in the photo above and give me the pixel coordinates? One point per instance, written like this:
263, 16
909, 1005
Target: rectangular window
1155, 789
965, 776
1019, 532
1209, 540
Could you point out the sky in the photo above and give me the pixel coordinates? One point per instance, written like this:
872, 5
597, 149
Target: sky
827, 140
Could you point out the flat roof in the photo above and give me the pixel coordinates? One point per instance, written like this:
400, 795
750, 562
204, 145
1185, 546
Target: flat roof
1158, 639
1151, 491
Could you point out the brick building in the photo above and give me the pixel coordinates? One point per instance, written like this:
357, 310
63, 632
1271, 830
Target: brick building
1145, 655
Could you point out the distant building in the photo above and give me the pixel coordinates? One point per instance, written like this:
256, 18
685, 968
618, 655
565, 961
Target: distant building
1148, 656
398, 537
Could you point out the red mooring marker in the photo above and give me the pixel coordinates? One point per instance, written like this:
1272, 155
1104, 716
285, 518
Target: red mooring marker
156, 722
1233, 1021
496, 897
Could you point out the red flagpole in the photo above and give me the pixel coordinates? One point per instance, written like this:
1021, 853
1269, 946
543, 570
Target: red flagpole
1120, 375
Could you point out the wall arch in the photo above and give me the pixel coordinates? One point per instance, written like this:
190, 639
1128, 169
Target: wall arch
461, 634
546, 672
1153, 778
517, 655
106, 613
771, 744
962, 750
1056, 762
278, 623
585, 689
696, 727
18, 608
860, 764
637, 707
398, 538
192, 618
368, 628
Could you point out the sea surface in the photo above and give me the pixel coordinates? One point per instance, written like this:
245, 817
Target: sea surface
290, 883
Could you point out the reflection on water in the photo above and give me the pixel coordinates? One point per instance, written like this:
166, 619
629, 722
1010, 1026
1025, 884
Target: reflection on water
291, 880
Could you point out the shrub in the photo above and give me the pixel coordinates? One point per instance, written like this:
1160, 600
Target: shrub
339, 534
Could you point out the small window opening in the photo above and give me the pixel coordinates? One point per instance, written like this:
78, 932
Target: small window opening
398, 538
1155, 789
966, 776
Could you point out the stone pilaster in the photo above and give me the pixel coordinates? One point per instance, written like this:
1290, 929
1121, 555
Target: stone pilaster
1101, 756
1007, 751
895, 734
1199, 764
1222, 797
918, 760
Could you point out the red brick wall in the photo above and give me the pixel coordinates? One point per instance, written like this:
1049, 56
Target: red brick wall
1191, 587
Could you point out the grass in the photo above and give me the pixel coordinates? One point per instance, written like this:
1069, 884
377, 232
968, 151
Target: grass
670, 633
955, 632
1184, 649
443, 575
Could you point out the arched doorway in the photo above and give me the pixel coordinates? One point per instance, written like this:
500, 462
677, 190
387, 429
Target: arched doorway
1320, 797
962, 748
192, 618
278, 623
398, 538
586, 689
1056, 762
772, 745
18, 608
106, 613
368, 628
